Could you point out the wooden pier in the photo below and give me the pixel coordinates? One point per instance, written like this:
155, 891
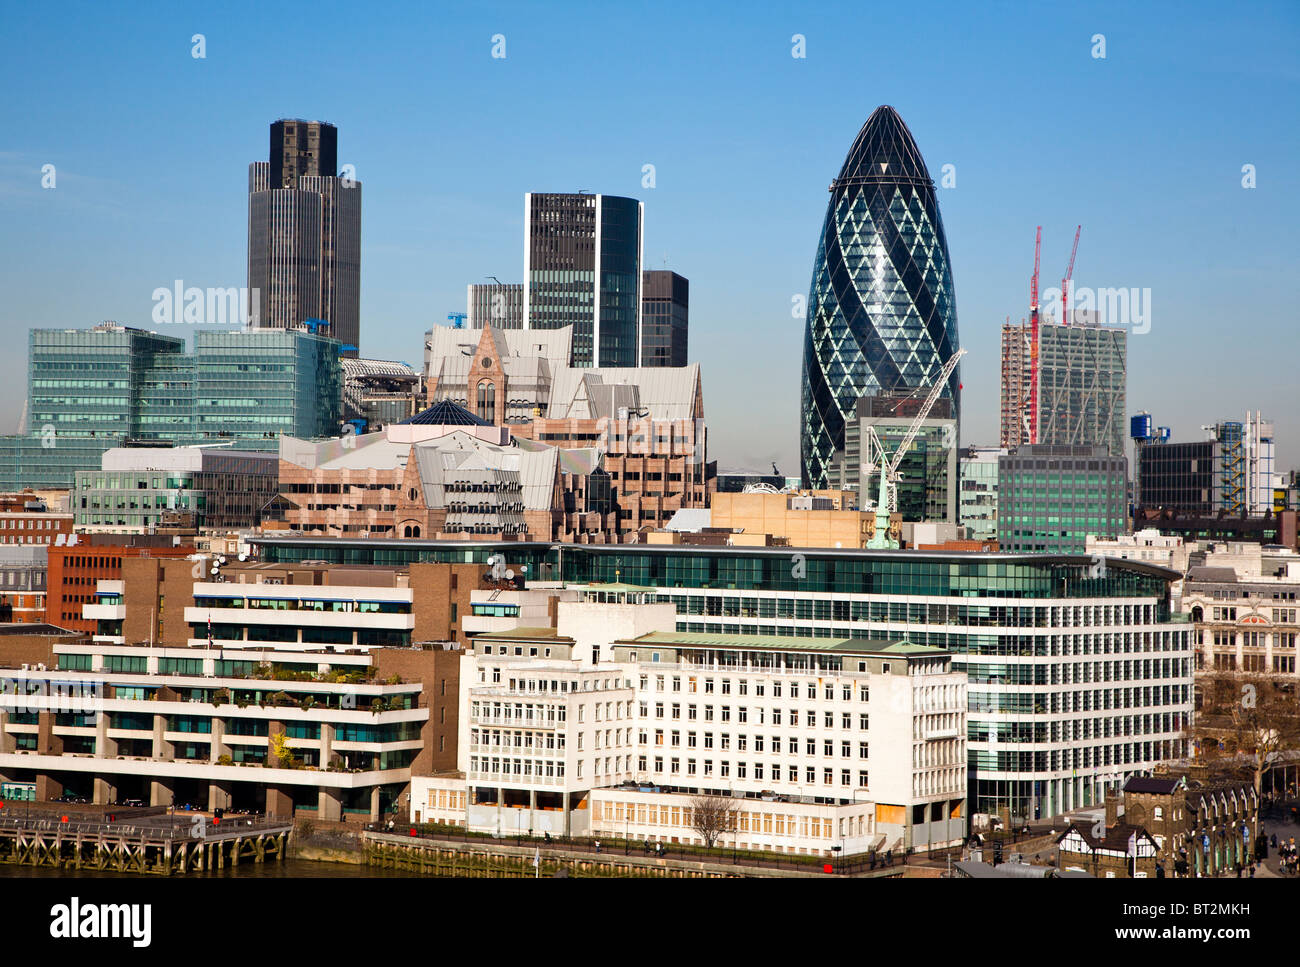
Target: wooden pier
162, 845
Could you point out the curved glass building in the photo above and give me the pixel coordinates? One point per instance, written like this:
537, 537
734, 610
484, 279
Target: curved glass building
882, 317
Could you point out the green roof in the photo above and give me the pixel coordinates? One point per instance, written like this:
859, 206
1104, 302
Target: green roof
518, 633
697, 639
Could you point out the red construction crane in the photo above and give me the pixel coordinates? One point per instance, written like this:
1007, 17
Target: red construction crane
1033, 340
1065, 282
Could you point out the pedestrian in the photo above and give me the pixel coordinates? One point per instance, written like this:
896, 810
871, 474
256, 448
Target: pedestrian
597, 846
1252, 871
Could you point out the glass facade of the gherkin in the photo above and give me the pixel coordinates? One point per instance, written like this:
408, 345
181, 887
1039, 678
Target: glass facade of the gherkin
882, 316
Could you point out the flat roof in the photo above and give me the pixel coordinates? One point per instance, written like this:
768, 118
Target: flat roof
699, 639
894, 556
521, 633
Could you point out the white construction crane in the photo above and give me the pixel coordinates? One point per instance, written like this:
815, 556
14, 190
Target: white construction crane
887, 502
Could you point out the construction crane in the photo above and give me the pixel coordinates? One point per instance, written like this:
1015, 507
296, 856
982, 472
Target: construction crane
1033, 341
887, 503
1065, 282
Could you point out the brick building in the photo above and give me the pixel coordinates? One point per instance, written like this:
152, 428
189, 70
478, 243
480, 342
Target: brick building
648, 421
25, 518
76, 568
446, 473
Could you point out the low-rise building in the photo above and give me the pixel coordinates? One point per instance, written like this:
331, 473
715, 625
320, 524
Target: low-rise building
23, 574
138, 489
613, 723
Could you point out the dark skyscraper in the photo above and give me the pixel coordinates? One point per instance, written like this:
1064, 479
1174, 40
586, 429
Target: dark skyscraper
665, 317
882, 317
582, 267
304, 234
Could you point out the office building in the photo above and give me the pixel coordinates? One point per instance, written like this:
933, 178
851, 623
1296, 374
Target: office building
445, 472
76, 567
882, 314
1243, 600
379, 392
977, 492
1082, 380
1229, 473
1050, 498
610, 722
91, 390
648, 422
665, 318
137, 489
582, 268
500, 306
304, 234
23, 571
1046, 732
1017, 375
926, 486
26, 518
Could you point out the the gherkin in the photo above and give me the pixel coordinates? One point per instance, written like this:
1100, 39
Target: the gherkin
882, 317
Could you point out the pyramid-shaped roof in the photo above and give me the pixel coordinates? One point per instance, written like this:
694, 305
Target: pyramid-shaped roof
447, 413
884, 151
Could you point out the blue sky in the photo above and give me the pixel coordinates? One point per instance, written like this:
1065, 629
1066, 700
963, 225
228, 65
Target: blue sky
1144, 148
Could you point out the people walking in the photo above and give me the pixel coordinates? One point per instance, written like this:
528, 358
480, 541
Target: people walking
597, 846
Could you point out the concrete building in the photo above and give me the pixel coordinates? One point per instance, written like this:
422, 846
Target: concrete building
1050, 498
76, 568
1077, 679
706, 721
977, 492
379, 392
1146, 545
582, 268
304, 235
1244, 604
823, 519
445, 472
137, 489
500, 306
195, 667
648, 422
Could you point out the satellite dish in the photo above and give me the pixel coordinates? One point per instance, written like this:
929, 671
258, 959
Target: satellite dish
243, 557
221, 559
215, 569
523, 568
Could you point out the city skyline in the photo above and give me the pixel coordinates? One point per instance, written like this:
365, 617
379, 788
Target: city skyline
1158, 187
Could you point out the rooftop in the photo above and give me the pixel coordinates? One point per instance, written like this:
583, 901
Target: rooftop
698, 639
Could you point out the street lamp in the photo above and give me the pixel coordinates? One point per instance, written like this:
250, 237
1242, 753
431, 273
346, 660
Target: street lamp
835, 859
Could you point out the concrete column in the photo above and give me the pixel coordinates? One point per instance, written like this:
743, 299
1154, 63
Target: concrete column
374, 804
7, 742
105, 791
218, 746
278, 802
532, 808
329, 805
219, 795
326, 744
162, 749
47, 788
161, 791
104, 746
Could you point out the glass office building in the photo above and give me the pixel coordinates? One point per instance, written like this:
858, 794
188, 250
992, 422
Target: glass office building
583, 269
1051, 498
90, 390
882, 315
1077, 679
977, 494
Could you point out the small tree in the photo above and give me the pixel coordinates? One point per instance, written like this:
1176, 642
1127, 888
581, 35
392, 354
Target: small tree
711, 816
281, 753
1245, 722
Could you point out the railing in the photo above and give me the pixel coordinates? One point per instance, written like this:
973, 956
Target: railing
169, 828
616, 846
